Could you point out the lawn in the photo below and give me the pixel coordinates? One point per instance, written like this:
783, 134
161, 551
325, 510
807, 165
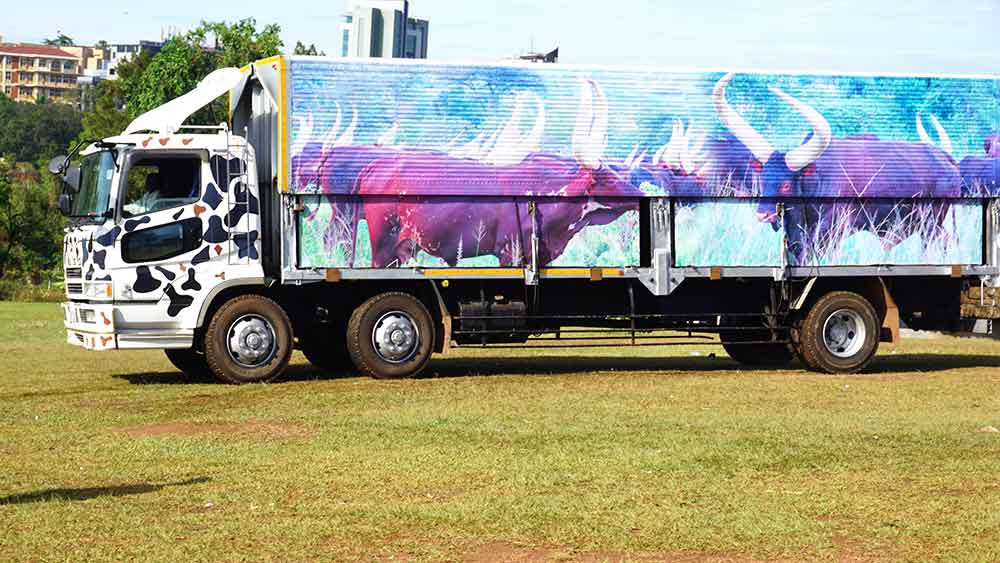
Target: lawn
601, 454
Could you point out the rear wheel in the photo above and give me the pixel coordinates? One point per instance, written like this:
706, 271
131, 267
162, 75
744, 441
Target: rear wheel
391, 336
191, 362
840, 334
249, 340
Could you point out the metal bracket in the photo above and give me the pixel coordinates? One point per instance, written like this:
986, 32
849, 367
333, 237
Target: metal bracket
531, 270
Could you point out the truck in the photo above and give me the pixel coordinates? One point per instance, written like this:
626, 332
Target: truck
372, 213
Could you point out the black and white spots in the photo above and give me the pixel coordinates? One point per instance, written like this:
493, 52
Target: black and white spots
215, 232
212, 197
131, 224
166, 273
203, 256
144, 280
191, 284
108, 237
177, 215
99, 257
247, 245
178, 301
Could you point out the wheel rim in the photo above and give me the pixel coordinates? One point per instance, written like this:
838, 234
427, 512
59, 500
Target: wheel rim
251, 342
844, 333
395, 337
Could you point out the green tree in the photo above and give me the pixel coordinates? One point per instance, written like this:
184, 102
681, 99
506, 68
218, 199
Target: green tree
60, 40
33, 132
185, 60
301, 49
30, 226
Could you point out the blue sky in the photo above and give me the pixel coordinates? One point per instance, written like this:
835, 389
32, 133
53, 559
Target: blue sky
956, 36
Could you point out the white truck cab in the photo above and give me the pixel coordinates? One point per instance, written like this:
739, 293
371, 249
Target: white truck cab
161, 218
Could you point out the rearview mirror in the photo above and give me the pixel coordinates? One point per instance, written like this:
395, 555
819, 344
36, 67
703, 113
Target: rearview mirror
72, 179
56, 164
65, 203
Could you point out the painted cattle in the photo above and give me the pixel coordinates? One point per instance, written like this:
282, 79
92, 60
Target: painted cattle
979, 173
840, 168
518, 193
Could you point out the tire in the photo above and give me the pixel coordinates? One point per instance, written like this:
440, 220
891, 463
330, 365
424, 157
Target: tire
758, 355
249, 340
840, 334
189, 361
326, 348
397, 312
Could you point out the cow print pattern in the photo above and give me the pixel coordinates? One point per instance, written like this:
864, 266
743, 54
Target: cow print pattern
131, 224
212, 197
215, 232
166, 273
144, 281
191, 284
178, 302
215, 217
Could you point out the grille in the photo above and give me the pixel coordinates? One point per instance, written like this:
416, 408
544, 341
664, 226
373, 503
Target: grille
74, 273
74, 288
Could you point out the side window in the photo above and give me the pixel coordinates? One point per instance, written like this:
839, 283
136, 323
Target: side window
159, 243
162, 182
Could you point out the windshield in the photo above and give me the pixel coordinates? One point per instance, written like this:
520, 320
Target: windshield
96, 171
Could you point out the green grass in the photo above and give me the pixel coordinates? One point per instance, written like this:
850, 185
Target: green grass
594, 454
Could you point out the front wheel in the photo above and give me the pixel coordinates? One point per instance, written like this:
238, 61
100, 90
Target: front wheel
840, 334
249, 340
391, 336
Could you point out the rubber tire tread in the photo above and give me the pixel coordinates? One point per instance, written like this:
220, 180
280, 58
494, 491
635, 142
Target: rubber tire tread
224, 367
189, 361
810, 334
359, 329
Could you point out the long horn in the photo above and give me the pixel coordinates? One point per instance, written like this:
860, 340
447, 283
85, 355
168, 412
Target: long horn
590, 136
943, 137
330, 139
389, 136
800, 157
758, 145
348, 136
304, 134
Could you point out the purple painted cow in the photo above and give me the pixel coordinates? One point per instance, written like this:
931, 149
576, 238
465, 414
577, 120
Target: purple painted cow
483, 205
979, 173
860, 166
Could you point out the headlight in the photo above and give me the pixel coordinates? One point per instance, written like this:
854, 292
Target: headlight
98, 290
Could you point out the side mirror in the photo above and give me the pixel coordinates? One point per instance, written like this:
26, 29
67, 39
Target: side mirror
72, 179
65, 203
56, 164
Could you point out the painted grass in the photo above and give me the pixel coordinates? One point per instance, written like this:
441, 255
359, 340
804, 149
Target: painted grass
602, 454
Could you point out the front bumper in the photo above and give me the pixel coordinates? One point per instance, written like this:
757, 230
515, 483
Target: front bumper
91, 326
99, 326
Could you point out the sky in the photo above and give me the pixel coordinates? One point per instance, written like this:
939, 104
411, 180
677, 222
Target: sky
906, 36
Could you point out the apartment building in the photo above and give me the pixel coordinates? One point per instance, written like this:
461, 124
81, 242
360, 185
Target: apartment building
30, 72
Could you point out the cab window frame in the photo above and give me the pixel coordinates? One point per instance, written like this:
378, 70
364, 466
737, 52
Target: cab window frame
135, 157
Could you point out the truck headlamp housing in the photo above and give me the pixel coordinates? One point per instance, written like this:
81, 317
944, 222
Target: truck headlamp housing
98, 290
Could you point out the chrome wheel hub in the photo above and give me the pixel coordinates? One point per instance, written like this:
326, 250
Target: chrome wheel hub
395, 337
251, 342
844, 333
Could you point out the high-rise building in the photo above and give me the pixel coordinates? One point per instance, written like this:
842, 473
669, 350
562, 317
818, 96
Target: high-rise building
382, 28
31, 72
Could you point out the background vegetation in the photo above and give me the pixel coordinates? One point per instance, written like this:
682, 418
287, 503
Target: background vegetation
33, 133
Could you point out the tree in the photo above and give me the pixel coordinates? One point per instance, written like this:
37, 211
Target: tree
30, 226
185, 60
61, 40
30, 132
301, 49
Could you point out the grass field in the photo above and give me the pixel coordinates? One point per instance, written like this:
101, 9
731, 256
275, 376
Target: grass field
605, 454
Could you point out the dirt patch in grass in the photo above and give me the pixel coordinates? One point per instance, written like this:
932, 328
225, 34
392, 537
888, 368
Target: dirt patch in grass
500, 551
255, 427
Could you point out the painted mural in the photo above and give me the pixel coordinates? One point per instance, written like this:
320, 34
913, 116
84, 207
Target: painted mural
404, 165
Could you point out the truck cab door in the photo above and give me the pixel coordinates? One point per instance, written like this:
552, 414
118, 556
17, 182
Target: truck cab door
164, 229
